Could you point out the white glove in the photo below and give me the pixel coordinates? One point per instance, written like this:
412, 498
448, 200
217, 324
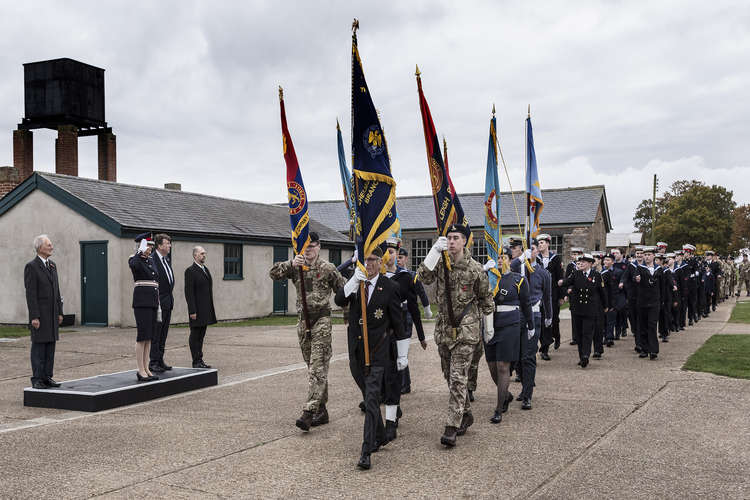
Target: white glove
548, 322
530, 334
490, 264
142, 246
489, 327
527, 254
402, 361
351, 286
441, 245
354, 257
428, 312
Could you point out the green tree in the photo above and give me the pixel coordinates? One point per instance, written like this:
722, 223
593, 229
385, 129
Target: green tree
740, 228
690, 212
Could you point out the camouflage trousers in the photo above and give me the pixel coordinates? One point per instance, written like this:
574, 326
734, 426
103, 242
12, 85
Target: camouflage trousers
474, 368
455, 363
316, 351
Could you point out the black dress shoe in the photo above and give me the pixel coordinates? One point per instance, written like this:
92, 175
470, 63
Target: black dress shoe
142, 378
518, 378
449, 436
665, 339
50, 382
690, 323
390, 432
497, 417
637, 349
406, 390
519, 398
507, 401
597, 355
471, 395
364, 461
573, 342
201, 364
156, 368
584, 362
321, 417
653, 356
39, 385
624, 334
545, 356
557, 344
164, 366
610, 343
304, 421
151, 378
643, 354
526, 404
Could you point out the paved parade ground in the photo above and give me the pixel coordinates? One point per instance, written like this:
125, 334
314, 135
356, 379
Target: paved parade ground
622, 428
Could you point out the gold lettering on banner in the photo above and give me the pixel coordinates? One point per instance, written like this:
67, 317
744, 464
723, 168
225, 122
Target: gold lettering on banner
444, 207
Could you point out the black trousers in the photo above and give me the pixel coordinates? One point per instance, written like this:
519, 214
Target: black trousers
665, 318
551, 334
611, 318
633, 317
621, 321
374, 431
585, 326
683, 311
197, 333
649, 317
528, 357
42, 360
693, 304
159, 342
599, 332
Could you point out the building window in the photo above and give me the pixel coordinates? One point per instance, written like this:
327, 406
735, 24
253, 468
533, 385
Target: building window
556, 245
479, 250
232, 261
419, 250
334, 256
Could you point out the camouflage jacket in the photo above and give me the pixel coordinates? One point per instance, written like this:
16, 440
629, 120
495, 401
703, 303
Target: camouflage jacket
744, 270
470, 296
321, 280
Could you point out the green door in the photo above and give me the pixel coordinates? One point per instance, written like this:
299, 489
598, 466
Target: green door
94, 283
280, 305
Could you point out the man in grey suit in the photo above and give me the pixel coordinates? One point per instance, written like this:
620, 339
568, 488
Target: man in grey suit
45, 312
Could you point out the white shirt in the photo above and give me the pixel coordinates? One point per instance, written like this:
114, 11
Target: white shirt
203, 268
164, 263
371, 288
44, 261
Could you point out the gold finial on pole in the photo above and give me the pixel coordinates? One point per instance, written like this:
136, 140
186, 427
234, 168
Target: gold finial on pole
529, 110
281, 93
355, 25
417, 73
337, 124
493, 109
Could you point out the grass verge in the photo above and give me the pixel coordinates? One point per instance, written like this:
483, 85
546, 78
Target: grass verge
740, 313
726, 355
12, 332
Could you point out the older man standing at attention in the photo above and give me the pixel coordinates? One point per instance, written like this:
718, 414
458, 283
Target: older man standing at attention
200, 302
45, 312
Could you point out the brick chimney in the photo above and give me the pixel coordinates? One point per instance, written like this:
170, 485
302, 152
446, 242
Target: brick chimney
9, 178
23, 152
107, 149
66, 150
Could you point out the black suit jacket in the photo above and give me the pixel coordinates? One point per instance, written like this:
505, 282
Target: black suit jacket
166, 299
588, 296
43, 300
199, 296
383, 317
650, 287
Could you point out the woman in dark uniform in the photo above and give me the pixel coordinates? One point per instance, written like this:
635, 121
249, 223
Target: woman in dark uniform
145, 303
504, 345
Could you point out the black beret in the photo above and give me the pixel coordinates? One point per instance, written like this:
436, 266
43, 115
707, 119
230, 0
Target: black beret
314, 237
459, 228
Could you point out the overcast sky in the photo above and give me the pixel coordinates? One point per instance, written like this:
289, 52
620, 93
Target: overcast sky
618, 90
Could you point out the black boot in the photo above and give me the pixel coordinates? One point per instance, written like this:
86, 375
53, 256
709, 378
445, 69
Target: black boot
449, 436
390, 431
321, 417
466, 422
364, 461
497, 417
470, 395
304, 421
405, 381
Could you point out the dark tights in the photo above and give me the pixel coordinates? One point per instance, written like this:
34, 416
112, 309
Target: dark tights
500, 372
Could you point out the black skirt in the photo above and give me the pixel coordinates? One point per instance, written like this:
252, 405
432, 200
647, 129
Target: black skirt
145, 320
505, 345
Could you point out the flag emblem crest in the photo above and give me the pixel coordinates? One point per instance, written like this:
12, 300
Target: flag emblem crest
490, 216
373, 140
436, 176
296, 197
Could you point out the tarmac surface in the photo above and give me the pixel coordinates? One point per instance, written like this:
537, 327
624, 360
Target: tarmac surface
622, 428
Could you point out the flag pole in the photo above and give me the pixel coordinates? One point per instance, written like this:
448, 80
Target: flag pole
528, 194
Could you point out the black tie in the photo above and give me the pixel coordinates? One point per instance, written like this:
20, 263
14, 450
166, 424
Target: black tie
48, 268
367, 292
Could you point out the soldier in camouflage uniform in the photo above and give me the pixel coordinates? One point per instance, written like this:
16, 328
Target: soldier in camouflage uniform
321, 279
471, 301
744, 271
732, 272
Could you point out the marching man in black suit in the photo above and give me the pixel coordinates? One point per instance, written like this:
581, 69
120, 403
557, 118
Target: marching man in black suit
383, 320
45, 312
165, 278
200, 302
650, 280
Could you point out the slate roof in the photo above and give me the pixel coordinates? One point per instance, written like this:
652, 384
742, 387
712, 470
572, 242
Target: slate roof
127, 208
562, 207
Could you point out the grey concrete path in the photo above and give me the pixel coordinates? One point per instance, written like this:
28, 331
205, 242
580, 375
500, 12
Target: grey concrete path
622, 428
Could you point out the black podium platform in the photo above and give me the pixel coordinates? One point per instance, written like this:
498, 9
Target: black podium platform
118, 389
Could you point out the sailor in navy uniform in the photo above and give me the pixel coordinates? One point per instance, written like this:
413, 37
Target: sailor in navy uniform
587, 298
650, 281
552, 262
145, 303
575, 255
